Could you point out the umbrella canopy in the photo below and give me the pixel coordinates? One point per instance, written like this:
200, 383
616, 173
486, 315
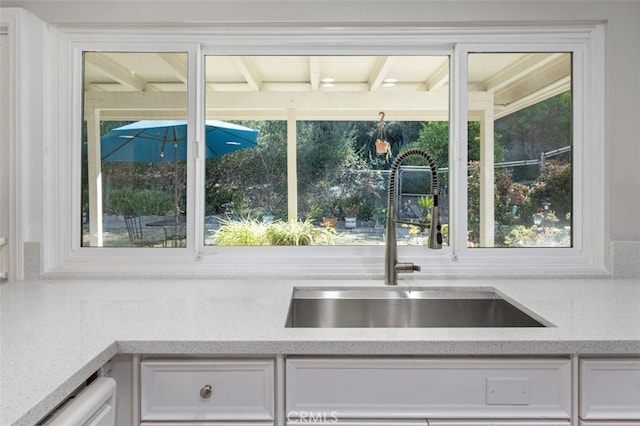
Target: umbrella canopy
156, 141
153, 141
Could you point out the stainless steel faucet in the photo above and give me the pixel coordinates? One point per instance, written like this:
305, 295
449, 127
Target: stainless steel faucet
392, 267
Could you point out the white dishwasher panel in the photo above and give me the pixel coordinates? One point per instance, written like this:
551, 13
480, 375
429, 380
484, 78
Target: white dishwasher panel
94, 406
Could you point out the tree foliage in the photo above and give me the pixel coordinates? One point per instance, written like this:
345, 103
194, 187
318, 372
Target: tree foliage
338, 169
541, 127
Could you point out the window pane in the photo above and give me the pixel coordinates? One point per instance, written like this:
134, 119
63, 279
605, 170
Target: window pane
519, 151
318, 120
247, 185
343, 181
134, 149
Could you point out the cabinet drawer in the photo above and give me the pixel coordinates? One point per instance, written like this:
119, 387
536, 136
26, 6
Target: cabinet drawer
500, 423
328, 420
206, 390
430, 388
206, 424
424, 422
604, 423
610, 389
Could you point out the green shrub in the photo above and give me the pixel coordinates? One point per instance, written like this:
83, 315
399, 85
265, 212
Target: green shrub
553, 186
244, 232
300, 233
251, 232
220, 198
140, 200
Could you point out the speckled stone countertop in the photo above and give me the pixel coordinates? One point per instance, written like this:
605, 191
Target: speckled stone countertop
56, 333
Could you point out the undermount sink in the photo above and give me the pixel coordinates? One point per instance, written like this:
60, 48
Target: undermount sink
322, 307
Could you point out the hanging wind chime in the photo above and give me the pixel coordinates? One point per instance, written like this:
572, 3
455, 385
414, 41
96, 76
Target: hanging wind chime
382, 146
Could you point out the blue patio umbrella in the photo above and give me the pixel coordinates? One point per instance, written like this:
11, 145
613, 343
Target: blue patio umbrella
154, 141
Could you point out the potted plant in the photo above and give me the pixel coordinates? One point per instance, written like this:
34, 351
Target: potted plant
350, 222
426, 203
350, 209
330, 215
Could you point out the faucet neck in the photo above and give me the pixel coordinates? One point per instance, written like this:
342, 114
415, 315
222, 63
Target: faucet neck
435, 238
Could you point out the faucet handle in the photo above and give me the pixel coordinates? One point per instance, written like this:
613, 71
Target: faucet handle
407, 267
435, 232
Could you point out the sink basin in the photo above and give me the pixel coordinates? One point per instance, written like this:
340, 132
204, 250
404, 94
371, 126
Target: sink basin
405, 307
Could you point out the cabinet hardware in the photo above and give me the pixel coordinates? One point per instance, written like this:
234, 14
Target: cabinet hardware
205, 392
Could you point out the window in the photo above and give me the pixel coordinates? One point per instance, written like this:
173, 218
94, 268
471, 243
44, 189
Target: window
306, 119
316, 159
134, 148
519, 150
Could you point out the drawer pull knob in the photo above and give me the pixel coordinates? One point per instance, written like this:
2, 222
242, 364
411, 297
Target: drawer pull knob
205, 392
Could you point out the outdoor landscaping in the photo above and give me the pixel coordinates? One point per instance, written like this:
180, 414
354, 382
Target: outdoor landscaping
342, 183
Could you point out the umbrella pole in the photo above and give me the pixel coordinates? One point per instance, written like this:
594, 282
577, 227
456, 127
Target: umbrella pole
176, 209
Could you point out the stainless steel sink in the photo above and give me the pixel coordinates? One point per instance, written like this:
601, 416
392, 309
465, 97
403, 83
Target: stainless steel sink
405, 307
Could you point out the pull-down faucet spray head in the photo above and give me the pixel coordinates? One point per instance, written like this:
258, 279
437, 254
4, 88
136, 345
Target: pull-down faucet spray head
435, 234
392, 266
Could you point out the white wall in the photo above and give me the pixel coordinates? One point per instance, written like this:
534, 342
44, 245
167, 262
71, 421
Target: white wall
622, 76
25, 73
4, 153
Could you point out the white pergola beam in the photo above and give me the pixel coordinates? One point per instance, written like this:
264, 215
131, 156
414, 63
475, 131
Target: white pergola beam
329, 100
248, 71
481, 108
439, 78
314, 73
116, 72
379, 73
314, 105
525, 67
94, 172
177, 66
292, 165
487, 177
538, 96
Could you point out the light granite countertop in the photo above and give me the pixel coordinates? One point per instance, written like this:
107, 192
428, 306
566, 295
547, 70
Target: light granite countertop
56, 333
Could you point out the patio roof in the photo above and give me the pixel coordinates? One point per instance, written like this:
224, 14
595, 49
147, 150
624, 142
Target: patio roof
318, 87
136, 86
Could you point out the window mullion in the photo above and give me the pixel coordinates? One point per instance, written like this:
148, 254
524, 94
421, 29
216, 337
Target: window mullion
195, 168
458, 150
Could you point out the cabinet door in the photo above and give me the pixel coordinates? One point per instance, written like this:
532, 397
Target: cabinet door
500, 423
206, 424
321, 421
604, 423
374, 422
177, 390
469, 388
610, 389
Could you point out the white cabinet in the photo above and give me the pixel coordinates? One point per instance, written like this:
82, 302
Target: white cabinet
94, 406
176, 392
610, 391
424, 422
498, 423
433, 389
607, 423
198, 423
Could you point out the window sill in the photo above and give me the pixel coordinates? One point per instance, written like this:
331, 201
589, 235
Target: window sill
323, 263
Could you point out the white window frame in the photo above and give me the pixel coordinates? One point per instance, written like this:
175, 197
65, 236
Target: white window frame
64, 256
585, 206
